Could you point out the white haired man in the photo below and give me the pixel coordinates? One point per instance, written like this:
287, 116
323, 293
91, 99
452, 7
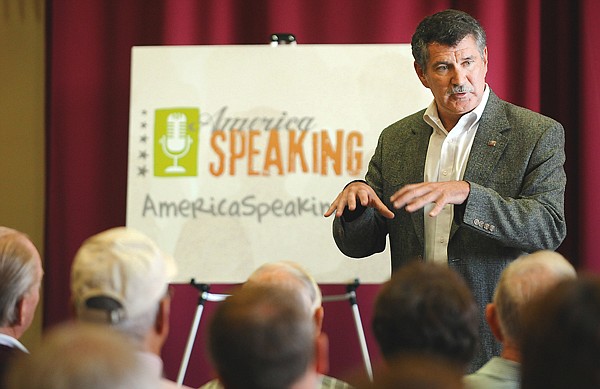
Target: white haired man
20, 280
524, 279
121, 278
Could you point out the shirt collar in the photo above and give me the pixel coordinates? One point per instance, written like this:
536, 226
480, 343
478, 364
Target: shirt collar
432, 117
9, 341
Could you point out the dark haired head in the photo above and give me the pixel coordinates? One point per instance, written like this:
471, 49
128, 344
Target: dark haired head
561, 337
262, 337
447, 28
426, 308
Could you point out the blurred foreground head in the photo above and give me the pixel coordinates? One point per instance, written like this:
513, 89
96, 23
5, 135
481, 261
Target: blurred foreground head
560, 346
80, 356
417, 372
264, 337
426, 308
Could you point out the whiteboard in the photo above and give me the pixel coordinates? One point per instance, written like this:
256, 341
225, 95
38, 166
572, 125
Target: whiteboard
235, 152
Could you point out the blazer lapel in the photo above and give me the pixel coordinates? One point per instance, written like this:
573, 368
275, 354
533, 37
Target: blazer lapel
488, 145
489, 142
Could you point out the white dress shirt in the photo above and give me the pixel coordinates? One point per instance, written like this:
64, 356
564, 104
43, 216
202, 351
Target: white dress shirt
447, 157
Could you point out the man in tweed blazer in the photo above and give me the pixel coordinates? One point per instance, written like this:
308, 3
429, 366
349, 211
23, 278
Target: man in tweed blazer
472, 181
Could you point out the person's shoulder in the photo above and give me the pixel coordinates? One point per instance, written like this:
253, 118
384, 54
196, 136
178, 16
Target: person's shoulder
407, 123
7, 352
168, 384
416, 117
214, 384
328, 382
518, 115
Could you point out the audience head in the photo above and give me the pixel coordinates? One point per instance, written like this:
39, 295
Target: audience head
20, 280
120, 277
263, 337
560, 344
426, 308
447, 28
292, 276
417, 372
522, 280
80, 356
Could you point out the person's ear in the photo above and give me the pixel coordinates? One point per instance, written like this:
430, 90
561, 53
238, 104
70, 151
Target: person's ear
20, 312
491, 316
322, 353
421, 74
319, 315
485, 59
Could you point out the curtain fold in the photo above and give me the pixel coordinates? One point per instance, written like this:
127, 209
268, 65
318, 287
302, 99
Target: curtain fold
89, 48
584, 148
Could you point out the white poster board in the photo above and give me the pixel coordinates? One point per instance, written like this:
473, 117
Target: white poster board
235, 152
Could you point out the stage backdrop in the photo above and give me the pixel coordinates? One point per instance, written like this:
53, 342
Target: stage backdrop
236, 152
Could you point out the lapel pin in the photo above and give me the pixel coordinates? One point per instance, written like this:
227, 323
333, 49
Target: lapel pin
492, 143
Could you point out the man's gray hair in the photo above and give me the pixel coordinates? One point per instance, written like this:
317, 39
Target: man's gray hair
447, 28
137, 328
523, 279
17, 272
74, 356
270, 273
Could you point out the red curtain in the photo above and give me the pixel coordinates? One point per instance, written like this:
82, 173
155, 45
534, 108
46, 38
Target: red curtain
542, 56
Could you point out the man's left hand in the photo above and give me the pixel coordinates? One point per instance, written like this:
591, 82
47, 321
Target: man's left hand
415, 196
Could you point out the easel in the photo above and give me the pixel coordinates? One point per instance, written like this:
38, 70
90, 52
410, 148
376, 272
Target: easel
205, 295
202, 298
350, 295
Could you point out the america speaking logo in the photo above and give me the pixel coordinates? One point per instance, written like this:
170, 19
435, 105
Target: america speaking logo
176, 142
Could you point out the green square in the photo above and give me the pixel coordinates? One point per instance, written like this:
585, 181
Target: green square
176, 142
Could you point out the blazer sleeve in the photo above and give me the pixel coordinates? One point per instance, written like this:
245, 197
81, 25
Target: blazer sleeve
366, 234
525, 211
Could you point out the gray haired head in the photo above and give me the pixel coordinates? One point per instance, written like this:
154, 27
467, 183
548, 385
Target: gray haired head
447, 28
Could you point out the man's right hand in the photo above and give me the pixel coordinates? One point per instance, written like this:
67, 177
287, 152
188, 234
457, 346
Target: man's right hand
364, 193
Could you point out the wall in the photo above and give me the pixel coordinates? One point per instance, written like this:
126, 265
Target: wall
22, 141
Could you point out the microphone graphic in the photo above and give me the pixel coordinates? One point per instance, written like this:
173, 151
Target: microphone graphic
176, 143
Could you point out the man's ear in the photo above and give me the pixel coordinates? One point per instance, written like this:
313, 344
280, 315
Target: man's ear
319, 315
491, 316
20, 312
421, 74
485, 59
322, 353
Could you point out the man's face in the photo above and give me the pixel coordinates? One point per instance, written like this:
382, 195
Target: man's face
456, 77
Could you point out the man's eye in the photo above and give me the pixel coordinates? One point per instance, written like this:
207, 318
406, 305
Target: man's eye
441, 68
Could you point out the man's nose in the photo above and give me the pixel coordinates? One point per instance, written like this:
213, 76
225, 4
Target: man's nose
459, 76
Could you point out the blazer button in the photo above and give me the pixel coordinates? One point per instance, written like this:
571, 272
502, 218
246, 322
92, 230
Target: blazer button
476, 222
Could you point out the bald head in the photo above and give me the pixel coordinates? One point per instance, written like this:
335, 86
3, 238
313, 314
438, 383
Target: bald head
522, 280
289, 275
